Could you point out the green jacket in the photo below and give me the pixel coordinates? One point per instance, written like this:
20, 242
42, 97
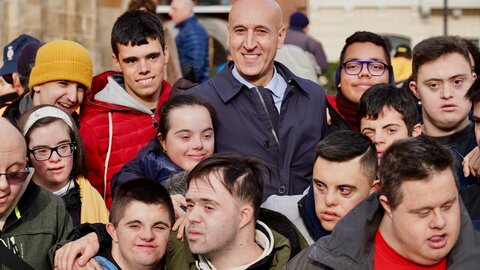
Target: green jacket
39, 222
179, 257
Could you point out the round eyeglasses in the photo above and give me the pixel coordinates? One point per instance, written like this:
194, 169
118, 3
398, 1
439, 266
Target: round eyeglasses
45, 153
354, 67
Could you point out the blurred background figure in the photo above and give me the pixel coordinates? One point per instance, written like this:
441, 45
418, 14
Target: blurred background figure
402, 63
192, 39
297, 34
10, 86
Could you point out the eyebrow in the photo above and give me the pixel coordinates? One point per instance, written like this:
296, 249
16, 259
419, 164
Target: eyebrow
318, 181
154, 54
449, 78
188, 130
129, 59
156, 223
369, 59
203, 200
390, 125
452, 200
347, 186
47, 146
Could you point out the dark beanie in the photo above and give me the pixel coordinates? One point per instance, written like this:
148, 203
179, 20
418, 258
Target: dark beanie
298, 20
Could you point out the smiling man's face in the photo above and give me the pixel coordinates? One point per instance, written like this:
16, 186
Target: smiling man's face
255, 32
143, 69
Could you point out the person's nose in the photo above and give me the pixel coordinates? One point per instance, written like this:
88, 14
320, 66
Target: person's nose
439, 221
378, 138
447, 92
144, 66
250, 40
331, 198
147, 234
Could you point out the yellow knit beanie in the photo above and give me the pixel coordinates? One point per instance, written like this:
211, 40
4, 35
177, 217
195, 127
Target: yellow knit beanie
62, 60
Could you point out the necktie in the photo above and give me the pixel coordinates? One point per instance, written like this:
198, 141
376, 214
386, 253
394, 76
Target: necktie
272, 112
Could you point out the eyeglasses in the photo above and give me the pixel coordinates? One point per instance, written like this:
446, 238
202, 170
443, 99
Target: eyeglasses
8, 78
354, 67
45, 153
17, 177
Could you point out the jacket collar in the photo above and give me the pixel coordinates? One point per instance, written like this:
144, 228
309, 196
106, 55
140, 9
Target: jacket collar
348, 248
23, 205
226, 78
263, 237
351, 248
306, 208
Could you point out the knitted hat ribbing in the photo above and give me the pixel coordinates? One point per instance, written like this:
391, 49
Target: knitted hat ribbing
63, 60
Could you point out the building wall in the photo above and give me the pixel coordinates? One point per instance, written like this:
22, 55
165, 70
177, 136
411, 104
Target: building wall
88, 22
331, 22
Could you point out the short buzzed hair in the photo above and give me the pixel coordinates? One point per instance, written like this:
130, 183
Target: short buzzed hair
345, 145
144, 190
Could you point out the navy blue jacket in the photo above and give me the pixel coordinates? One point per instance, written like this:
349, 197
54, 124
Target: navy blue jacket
149, 162
243, 126
192, 45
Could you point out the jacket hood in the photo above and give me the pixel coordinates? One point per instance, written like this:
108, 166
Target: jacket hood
113, 97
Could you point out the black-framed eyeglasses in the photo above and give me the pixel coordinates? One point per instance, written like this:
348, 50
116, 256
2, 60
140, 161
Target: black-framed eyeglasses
17, 177
8, 78
354, 67
45, 153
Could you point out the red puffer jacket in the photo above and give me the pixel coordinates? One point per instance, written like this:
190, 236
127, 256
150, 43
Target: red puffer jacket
112, 133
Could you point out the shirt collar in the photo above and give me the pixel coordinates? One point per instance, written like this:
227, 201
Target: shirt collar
277, 84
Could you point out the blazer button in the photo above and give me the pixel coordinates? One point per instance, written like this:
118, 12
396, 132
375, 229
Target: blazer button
282, 189
267, 143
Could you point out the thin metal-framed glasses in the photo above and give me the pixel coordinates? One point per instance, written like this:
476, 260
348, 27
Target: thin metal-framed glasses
45, 153
18, 177
375, 68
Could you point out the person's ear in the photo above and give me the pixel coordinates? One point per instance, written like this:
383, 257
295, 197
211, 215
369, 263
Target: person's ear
112, 231
116, 62
281, 37
414, 89
386, 205
375, 186
246, 215
417, 130
161, 140
36, 88
166, 54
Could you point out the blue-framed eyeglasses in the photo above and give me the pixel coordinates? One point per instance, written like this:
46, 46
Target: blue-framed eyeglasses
354, 67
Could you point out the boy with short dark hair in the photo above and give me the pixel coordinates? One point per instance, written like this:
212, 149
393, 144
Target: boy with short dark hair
119, 119
364, 61
416, 221
344, 174
386, 114
441, 75
140, 220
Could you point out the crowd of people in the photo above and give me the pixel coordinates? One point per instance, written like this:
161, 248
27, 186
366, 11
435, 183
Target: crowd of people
253, 168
